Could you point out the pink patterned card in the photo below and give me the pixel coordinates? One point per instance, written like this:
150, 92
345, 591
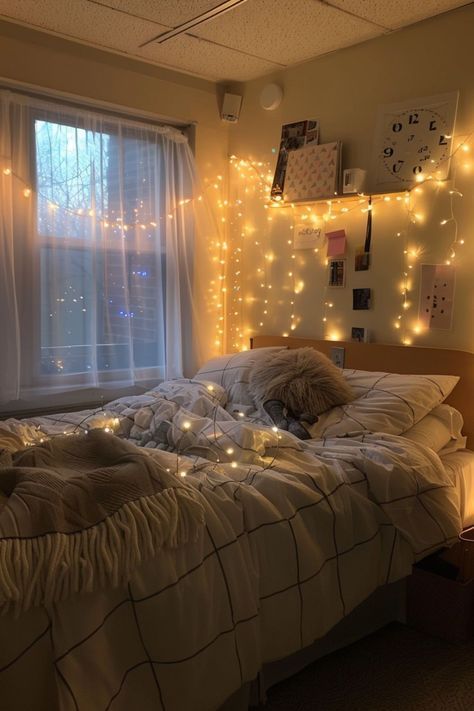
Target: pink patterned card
336, 243
312, 172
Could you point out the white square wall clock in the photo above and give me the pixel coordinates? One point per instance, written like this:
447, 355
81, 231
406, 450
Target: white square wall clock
413, 140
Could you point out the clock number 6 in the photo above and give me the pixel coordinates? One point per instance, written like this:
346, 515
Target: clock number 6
417, 169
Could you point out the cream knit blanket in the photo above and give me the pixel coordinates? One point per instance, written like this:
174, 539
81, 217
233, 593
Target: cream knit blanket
79, 513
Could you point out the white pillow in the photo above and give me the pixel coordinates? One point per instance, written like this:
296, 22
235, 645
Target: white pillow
384, 402
440, 430
232, 371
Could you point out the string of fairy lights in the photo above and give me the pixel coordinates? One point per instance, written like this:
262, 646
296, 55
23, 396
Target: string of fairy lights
230, 299
185, 445
321, 213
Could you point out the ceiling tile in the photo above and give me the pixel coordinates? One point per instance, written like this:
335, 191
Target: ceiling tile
164, 12
82, 20
396, 14
197, 56
286, 31
251, 40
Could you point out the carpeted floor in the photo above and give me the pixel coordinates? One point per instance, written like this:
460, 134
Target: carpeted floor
395, 669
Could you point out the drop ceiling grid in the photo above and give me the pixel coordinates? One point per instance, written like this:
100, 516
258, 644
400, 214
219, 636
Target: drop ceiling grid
84, 21
198, 56
395, 15
287, 31
249, 41
164, 12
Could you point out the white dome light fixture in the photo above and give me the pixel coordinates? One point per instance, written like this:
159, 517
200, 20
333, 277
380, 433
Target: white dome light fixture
271, 96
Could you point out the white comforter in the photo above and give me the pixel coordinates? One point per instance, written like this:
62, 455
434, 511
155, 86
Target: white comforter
296, 535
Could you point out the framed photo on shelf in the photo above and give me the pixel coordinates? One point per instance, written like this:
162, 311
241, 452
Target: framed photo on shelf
337, 272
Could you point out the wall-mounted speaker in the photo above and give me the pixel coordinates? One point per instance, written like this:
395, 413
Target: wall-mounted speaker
231, 107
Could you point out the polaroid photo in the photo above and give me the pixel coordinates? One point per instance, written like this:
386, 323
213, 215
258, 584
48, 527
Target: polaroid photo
337, 272
362, 261
359, 334
361, 299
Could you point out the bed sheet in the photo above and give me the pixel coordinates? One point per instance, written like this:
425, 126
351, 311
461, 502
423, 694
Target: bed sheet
460, 467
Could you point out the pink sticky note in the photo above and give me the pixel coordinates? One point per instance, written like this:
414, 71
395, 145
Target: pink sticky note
336, 243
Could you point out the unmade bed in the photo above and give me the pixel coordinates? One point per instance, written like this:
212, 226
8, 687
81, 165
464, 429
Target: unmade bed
236, 555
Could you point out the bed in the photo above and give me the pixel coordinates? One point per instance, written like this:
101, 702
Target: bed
254, 553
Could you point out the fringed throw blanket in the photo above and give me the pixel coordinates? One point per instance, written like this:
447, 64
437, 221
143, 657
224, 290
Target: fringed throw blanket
79, 513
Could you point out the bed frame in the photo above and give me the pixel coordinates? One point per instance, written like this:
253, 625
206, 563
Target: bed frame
387, 603
399, 359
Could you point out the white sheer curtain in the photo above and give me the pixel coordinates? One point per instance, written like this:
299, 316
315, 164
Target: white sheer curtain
96, 249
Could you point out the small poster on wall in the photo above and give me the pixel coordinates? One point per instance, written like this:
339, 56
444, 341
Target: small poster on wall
436, 295
307, 236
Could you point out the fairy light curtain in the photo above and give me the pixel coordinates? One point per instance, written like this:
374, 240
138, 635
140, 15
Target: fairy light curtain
96, 249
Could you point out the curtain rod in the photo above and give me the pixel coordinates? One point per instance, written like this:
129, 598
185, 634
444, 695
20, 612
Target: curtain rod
73, 100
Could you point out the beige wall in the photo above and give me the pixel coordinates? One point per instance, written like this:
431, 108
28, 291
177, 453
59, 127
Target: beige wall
55, 64
343, 91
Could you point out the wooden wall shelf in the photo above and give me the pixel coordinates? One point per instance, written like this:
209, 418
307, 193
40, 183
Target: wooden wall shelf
351, 198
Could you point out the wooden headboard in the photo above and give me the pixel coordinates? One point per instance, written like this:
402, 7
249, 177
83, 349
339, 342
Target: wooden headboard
400, 359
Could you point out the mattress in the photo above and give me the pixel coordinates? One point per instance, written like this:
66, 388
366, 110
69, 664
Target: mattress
460, 465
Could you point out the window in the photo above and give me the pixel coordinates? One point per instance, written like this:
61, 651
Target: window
108, 285
99, 236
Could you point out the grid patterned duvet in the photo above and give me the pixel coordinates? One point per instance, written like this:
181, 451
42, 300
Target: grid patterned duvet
295, 535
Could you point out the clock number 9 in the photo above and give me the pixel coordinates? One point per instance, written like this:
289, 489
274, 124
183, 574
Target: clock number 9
388, 152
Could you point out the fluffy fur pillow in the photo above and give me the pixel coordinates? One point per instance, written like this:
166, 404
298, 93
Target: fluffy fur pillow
304, 379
